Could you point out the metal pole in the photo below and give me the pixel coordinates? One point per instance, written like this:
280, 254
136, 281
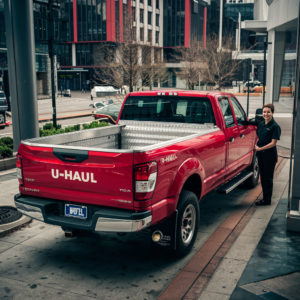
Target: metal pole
264, 76
51, 54
239, 42
248, 98
21, 69
221, 25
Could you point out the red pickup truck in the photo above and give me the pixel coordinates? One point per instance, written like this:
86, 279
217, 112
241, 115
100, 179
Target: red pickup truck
150, 170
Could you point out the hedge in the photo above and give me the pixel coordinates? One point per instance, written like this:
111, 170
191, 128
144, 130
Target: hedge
6, 147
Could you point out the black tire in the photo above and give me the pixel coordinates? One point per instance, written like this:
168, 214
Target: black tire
252, 181
188, 206
2, 127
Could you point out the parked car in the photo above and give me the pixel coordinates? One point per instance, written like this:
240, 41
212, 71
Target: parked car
252, 86
3, 109
111, 112
101, 103
167, 150
102, 91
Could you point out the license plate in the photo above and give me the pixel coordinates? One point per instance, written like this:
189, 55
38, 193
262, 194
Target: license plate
76, 211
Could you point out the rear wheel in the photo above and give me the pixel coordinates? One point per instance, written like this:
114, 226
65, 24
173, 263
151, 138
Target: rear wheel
187, 222
252, 181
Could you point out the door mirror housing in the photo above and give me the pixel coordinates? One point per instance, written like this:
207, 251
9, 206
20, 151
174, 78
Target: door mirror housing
258, 116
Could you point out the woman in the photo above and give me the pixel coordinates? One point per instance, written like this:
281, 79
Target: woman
268, 132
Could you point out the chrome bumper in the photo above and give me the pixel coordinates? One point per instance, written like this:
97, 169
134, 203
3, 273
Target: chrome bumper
30, 211
104, 219
119, 225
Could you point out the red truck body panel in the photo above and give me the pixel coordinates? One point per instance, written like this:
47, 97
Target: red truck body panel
106, 178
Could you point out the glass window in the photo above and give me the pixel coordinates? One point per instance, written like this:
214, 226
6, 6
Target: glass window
150, 2
157, 20
227, 112
157, 4
149, 17
239, 113
142, 34
149, 35
133, 13
157, 37
141, 16
169, 109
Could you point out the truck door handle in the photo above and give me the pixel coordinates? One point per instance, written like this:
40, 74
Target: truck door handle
70, 155
241, 136
231, 139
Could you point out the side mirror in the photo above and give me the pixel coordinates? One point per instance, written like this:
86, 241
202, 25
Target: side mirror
258, 116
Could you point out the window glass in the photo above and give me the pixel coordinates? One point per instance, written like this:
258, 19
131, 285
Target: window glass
169, 109
227, 112
239, 113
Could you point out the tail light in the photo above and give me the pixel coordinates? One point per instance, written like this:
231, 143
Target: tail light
145, 179
19, 168
5, 101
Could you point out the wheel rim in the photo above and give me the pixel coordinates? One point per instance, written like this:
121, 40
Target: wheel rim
188, 224
255, 170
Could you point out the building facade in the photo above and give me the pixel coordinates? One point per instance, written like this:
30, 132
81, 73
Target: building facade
162, 24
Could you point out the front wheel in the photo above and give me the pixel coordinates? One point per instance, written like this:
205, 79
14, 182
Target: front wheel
252, 181
187, 222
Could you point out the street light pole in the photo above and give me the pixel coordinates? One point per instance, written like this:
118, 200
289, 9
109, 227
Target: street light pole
239, 32
51, 54
221, 25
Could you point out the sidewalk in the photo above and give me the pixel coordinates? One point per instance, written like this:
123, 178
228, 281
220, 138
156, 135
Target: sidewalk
216, 268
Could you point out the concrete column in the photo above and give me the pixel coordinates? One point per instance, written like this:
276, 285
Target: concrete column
270, 66
73, 55
276, 53
279, 53
21, 69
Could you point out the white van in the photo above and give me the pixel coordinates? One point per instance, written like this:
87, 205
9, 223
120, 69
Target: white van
103, 91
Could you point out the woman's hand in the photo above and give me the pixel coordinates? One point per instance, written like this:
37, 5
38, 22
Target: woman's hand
257, 148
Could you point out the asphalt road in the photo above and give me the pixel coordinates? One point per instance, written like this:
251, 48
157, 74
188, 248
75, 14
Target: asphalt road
79, 103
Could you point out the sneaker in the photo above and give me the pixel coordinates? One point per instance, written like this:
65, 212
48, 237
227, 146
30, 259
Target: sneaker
263, 202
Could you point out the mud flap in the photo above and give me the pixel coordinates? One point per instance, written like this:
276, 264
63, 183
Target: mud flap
168, 230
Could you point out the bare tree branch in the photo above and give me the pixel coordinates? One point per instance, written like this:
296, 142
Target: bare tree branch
128, 62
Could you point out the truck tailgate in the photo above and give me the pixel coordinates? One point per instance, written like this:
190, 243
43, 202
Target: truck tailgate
100, 178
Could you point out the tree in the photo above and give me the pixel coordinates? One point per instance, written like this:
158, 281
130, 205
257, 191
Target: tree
222, 64
191, 63
128, 61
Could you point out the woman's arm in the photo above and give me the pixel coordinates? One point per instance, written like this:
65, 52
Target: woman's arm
271, 145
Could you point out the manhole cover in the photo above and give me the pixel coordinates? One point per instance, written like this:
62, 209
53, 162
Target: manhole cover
8, 215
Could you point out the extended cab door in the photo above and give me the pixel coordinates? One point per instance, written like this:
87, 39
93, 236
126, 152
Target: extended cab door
232, 134
247, 134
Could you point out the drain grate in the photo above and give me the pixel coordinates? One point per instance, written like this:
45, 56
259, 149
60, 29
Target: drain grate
8, 215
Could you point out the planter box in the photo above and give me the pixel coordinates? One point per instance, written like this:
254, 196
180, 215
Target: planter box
7, 163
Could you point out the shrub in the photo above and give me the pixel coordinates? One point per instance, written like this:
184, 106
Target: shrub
94, 124
7, 141
76, 127
48, 126
6, 152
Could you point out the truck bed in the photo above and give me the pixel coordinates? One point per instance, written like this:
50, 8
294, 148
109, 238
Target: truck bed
126, 137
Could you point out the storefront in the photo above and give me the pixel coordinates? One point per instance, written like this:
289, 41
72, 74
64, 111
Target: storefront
76, 79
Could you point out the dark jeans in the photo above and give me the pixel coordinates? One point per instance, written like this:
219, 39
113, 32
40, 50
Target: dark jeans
266, 168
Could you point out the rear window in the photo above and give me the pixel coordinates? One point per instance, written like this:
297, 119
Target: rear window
2, 95
169, 109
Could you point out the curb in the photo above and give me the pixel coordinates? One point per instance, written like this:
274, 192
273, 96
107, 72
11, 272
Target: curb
7, 163
64, 117
11, 227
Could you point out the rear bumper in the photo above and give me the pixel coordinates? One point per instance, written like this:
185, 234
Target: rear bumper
99, 218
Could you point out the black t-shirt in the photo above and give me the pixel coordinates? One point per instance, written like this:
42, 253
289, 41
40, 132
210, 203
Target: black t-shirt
267, 133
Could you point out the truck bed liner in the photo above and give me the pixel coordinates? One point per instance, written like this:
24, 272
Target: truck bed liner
129, 136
